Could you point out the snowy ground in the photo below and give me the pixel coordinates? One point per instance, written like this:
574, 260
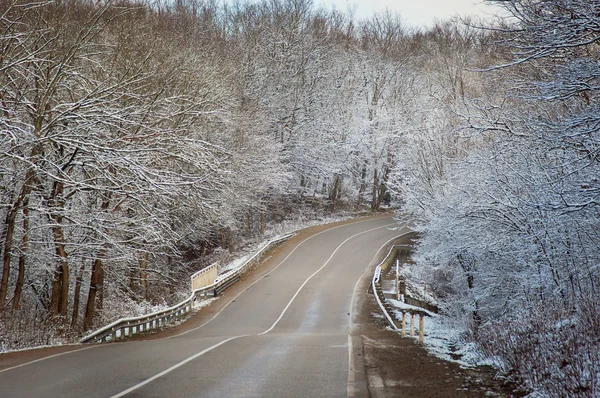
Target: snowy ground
237, 263
442, 338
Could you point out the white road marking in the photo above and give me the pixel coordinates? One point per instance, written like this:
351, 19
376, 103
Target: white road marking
172, 368
351, 388
44, 358
265, 275
315, 273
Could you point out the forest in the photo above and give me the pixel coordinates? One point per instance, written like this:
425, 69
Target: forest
138, 137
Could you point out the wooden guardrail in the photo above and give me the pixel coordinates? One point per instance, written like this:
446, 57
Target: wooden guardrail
128, 327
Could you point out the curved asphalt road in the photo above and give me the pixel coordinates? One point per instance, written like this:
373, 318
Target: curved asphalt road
288, 335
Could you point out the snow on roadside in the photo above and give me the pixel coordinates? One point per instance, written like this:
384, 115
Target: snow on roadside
237, 263
442, 339
403, 306
204, 303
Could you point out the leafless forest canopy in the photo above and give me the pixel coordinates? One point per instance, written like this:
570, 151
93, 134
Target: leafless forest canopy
137, 137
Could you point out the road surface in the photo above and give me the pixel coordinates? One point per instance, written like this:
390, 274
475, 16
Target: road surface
289, 334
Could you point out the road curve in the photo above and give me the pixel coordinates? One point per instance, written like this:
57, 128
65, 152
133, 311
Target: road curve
290, 334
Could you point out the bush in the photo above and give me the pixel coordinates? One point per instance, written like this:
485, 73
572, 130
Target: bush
28, 328
549, 349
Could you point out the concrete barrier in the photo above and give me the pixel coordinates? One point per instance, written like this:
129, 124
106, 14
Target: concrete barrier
205, 276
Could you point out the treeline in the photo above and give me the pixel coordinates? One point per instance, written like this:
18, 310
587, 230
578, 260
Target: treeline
508, 202
136, 136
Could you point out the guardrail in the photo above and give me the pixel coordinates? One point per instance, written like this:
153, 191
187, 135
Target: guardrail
376, 286
127, 327
386, 308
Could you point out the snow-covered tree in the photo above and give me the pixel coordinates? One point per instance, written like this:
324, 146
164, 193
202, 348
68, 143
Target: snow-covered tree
509, 211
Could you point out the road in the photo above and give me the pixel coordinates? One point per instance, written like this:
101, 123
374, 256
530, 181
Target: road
288, 334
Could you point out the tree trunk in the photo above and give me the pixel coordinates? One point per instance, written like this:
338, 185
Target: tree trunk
100, 294
95, 284
78, 280
335, 191
144, 275
384, 179
379, 187
374, 193
363, 185
55, 294
475, 315
380, 195
230, 240
64, 288
133, 283
223, 238
262, 223
16, 304
9, 227
60, 283
249, 222
172, 275
276, 212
